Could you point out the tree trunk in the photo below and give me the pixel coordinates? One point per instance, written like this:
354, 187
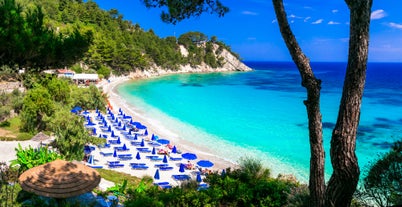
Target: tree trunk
313, 86
345, 177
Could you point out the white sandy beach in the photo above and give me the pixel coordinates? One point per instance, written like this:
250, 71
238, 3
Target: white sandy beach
154, 127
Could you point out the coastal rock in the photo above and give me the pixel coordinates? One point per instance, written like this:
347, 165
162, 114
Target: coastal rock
232, 63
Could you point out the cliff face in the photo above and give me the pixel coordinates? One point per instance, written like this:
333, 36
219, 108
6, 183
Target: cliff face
231, 63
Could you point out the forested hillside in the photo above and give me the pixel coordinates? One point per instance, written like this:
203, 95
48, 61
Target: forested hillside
117, 44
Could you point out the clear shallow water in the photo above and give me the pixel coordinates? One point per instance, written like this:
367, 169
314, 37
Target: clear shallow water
261, 113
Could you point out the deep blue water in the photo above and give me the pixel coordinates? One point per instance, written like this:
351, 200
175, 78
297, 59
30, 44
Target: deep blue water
261, 113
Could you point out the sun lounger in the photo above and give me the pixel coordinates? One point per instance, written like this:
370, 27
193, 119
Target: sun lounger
143, 149
121, 149
161, 165
115, 165
106, 154
175, 158
114, 141
156, 159
125, 156
113, 162
164, 185
202, 186
95, 166
137, 164
139, 167
181, 177
166, 168
135, 143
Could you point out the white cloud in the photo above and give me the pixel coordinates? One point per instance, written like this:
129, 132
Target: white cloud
306, 19
274, 21
332, 22
318, 21
378, 14
294, 16
250, 13
395, 25
334, 11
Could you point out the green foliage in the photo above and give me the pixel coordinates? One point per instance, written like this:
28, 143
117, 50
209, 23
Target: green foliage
104, 71
231, 189
88, 98
383, 181
182, 9
71, 136
9, 188
26, 42
32, 157
37, 105
60, 90
118, 189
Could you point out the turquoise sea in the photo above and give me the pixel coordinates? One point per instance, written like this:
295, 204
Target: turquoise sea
261, 113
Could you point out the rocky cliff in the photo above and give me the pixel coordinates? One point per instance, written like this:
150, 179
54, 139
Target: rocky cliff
231, 63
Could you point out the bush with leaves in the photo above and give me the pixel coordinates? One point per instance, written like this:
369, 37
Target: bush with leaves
30, 157
382, 184
38, 104
250, 185
71, 135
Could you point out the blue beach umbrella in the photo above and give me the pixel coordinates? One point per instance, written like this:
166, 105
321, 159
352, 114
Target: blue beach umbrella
163, 141
118, 140
165, 159
94, 131
205, 163
156, 176
85, 112
182, 168
141, 127
119, 124
136, 137
112, 135
146, 132
91, 160
153, 137
153, 150
124, 127
174, 150
100, 135
114, 153
199, 178
109, 129
138, 157
142, 143
189, 156
124, 147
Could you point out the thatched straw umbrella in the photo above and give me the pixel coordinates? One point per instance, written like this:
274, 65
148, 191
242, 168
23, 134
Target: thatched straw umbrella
59, 179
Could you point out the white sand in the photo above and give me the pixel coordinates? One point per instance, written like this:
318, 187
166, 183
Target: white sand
153, 127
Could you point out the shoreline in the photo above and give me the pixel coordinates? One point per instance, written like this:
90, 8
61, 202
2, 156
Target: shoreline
154, 127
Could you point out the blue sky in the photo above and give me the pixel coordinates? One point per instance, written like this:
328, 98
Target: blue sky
250, 28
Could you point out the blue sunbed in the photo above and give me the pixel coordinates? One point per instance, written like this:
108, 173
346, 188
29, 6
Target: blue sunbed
139, 167
161, 165
106, 154
115, 165
166, 168
144, 149
181, 177
175, 158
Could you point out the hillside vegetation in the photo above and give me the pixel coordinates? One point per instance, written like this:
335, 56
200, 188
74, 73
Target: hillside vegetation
120, 45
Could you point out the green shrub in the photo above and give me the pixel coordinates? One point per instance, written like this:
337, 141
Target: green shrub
31, 157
